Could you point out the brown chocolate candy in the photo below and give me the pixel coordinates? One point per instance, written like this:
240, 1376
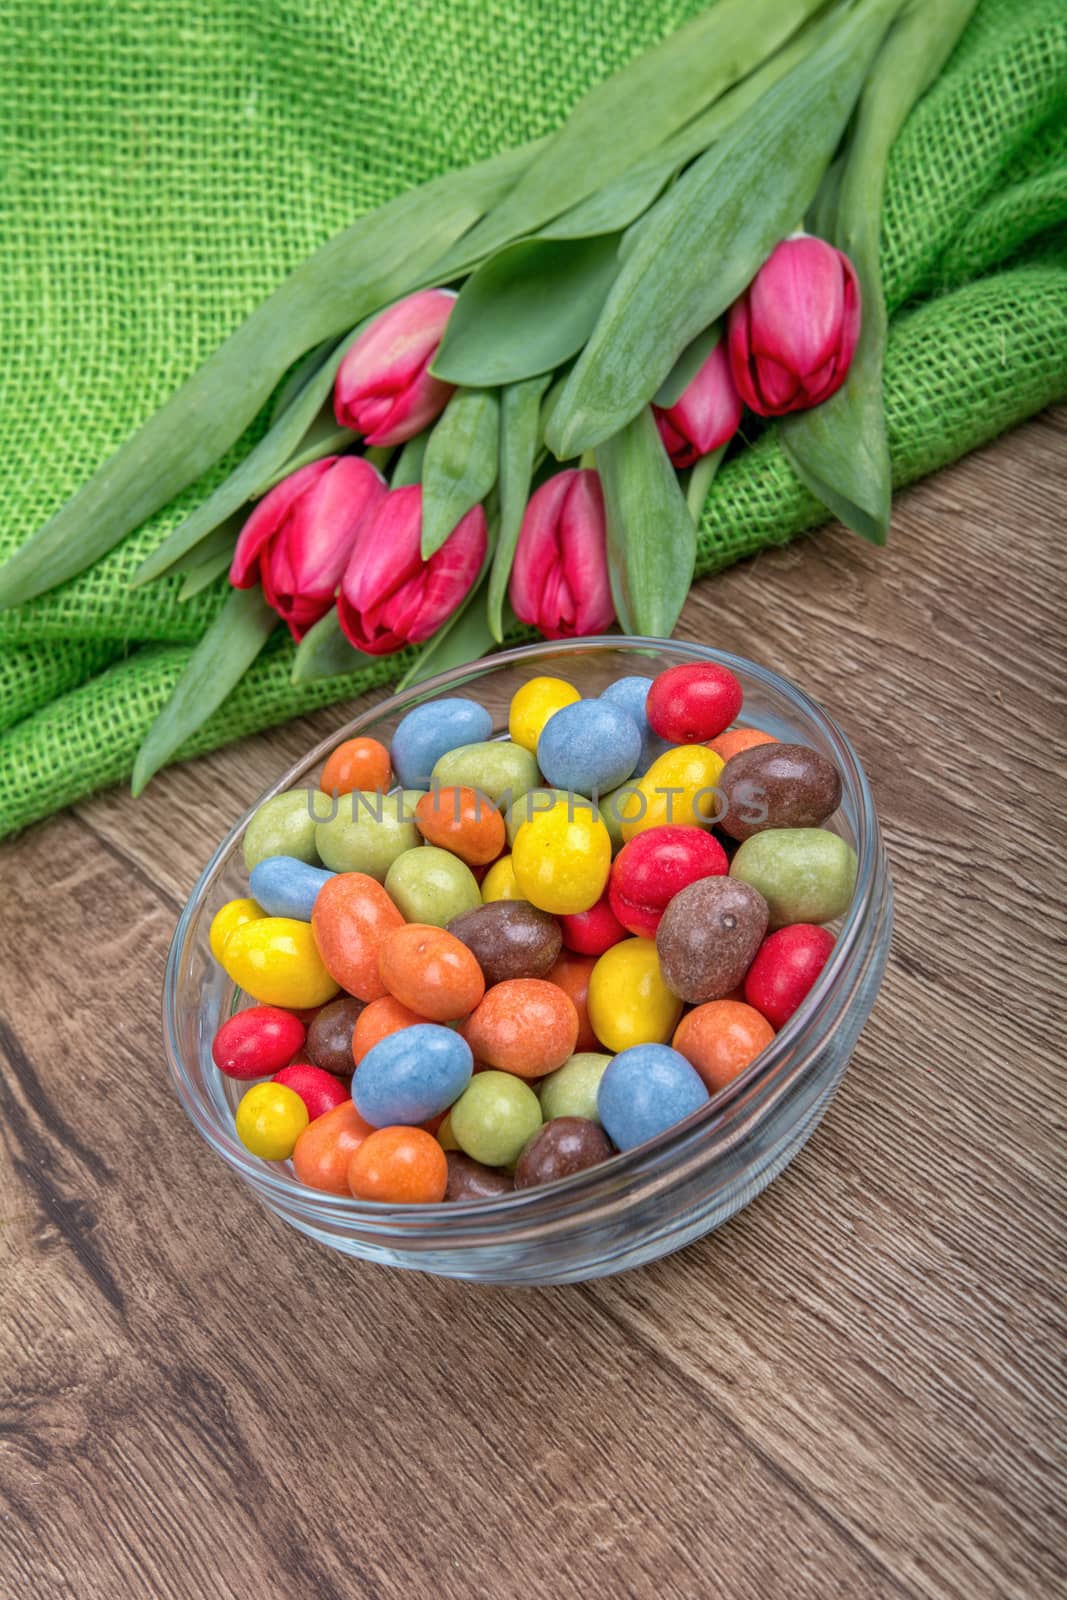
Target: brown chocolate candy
470, 1180
777, 786
509, 939
708, 937
560, 1148
329, 1040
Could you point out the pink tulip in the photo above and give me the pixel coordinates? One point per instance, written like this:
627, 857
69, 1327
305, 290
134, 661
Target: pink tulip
705, 416
384, 389
559, 581
390, 596
299, 537
793, 332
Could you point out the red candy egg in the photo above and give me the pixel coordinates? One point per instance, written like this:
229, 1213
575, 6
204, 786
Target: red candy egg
693, 703
786, 966
592, 932
256, 1042
319, 1090
652, 867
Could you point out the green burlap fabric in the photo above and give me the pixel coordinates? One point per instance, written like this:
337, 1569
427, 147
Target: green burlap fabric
166, 164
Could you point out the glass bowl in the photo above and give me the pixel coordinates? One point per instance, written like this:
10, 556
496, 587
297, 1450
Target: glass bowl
639, 1205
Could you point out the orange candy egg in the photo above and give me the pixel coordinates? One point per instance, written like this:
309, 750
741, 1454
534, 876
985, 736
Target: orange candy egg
734, 740
351, 917
463, 821
322, 1154
720, 1038
399, 1166
527, 1026
377, 1021
431, 972
571, 974
356, 764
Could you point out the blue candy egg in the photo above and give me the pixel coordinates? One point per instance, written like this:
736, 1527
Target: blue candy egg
645, 1090
412, 1075
286, 887
430, 731
589, 747
631, 694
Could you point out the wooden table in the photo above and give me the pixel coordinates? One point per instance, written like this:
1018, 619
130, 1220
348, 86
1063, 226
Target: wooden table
853, 1390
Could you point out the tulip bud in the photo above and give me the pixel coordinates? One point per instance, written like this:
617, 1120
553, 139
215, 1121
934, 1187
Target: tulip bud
793, 332
389, 595
384, 389
298, 539
706, 415
559, 580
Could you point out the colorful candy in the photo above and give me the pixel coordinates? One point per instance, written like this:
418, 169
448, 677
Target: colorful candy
526, 1026
430, 971
286, 887
708, 937
533, 704
559, 1149
720, 1039
655, 866
775, 786
589, 747
431, 885
352, 916
276, 961
412, 1075
646, 1090
804, 874
629, 1001
431, 731
509, 939
257, 1042
439, 1019
785, 969
693, 702
270, 1119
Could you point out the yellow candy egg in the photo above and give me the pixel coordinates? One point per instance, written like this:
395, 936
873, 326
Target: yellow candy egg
562, 858
276, 961
499, 882
270, 1119
228, 917
629, 1001
678, 787
533, 704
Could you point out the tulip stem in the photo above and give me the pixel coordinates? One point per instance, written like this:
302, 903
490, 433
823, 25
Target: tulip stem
700, 481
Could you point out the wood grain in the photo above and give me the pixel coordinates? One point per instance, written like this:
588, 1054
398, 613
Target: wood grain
855, 1389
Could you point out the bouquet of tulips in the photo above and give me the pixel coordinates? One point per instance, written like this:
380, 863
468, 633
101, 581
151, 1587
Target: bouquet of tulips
502, 398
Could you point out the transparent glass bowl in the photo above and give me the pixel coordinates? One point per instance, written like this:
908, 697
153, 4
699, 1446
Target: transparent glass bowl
636, 1206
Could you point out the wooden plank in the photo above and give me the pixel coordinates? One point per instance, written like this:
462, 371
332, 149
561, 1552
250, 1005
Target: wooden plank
851, 1390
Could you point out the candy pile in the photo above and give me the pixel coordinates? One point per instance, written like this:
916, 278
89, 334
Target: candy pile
482, 964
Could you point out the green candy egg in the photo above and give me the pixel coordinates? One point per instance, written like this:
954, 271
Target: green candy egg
804, 874
571, 1090
285, 826
369, 831
431, 885
493, 1118
501, 770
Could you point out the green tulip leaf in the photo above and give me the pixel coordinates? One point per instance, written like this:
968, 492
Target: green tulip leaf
460, 465
408, 468
464, 637
324, 652
686, 367
840, 449
203, 574
651, 535
520, 423
220, 660
380, 257
527, 310
730, 208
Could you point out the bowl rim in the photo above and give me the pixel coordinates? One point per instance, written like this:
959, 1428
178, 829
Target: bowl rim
607, 1180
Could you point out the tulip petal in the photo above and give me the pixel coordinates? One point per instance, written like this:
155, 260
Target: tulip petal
383, 388
537, 548
268, 517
